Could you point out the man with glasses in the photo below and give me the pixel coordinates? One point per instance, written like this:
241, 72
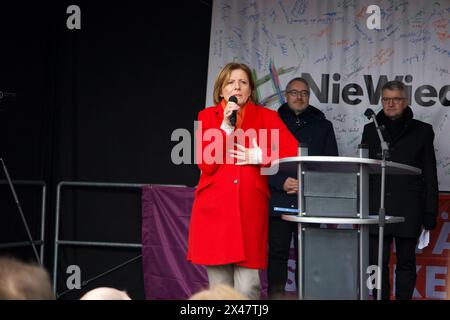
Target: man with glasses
413, 197
309, 125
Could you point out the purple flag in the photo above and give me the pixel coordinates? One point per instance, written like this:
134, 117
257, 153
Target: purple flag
166, 213
165, 220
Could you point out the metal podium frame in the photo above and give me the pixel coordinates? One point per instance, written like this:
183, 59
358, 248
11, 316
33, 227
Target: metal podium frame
361, 166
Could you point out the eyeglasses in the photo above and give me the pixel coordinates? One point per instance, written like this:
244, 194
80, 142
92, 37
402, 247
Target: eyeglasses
295, 93
395, 100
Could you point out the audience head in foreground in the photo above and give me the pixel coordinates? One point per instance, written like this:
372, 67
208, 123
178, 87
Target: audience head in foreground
104, 293
23, 281
218, 292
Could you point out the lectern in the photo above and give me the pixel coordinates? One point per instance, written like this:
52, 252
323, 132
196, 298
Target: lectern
333, 222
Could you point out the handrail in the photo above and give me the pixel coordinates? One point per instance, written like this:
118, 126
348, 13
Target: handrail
58, 242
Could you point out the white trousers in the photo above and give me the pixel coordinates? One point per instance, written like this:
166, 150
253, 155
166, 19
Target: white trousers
244, 280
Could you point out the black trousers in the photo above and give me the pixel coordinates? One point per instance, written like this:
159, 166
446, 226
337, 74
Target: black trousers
405, 272
280, 235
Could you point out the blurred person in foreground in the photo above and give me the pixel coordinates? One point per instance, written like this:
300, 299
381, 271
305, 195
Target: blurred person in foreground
218, 292
23, 281
105, 293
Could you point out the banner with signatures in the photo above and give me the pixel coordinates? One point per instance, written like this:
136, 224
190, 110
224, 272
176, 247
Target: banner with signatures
345, 60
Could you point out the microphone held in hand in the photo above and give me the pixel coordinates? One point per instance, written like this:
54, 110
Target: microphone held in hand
233, 116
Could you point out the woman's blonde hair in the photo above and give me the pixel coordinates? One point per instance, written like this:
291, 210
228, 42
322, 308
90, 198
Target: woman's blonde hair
225, 74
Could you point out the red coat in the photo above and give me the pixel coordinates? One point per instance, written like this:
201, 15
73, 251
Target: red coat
229, 220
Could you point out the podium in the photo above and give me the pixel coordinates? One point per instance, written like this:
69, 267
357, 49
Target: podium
333, 260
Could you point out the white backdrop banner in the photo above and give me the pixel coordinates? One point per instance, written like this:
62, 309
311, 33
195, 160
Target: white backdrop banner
331, 45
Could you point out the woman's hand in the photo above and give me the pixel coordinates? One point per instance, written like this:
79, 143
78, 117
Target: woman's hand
247, 155
229, 108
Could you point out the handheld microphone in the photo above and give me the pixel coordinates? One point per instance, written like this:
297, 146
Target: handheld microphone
233, 116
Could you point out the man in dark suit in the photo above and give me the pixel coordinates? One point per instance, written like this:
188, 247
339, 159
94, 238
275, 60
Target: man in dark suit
309, 125
414, 197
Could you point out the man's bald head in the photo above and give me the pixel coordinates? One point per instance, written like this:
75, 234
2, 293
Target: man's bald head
105, 293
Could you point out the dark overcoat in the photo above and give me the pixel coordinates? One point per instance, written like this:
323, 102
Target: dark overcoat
409, 196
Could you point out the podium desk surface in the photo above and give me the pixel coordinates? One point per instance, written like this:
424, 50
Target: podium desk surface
342, 164
334, 220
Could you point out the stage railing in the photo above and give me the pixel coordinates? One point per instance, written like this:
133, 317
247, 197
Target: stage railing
59, 242
39, 242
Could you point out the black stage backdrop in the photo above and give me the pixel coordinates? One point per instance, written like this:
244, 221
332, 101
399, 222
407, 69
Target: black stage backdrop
97, 104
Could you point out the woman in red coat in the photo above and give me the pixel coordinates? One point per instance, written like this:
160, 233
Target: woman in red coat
229, 223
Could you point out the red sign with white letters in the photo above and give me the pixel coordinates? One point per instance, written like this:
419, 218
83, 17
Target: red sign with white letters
433, 261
